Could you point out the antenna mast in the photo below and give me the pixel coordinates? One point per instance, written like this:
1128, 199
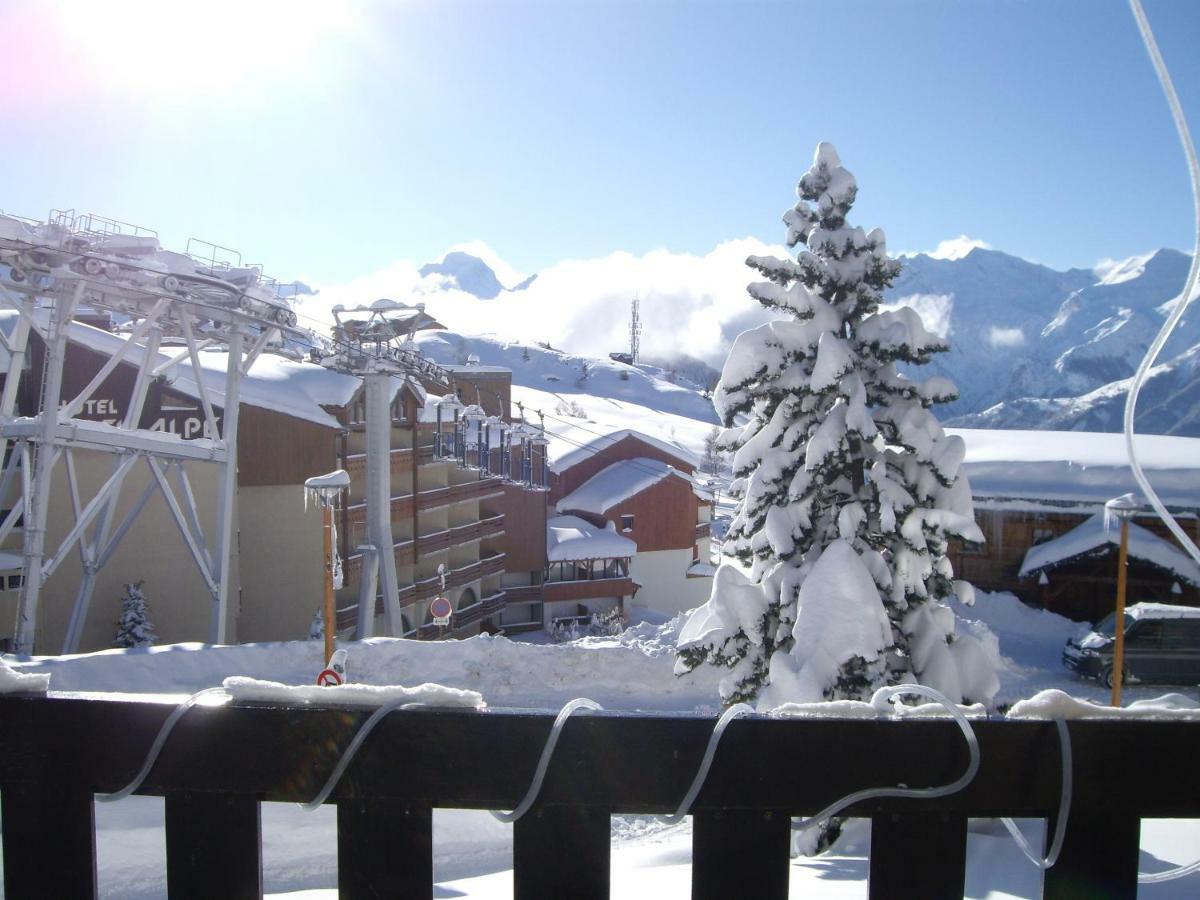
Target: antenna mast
635, 331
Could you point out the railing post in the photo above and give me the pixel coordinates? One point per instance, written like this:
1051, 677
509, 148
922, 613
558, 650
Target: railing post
561, 851
918, 855
214, 846
759, 842
49, 839
1099, 859
385, 849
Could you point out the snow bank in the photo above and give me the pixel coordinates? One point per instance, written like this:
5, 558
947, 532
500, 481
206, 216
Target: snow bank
14, 682
1056, 704
630, 672
254, 689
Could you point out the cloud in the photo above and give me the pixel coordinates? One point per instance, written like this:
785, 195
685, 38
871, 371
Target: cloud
695, 304
934, 310
957, 248
1006, 337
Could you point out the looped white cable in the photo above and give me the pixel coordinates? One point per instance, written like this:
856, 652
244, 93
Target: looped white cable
539, 774
348, 756
1064, 807
879, 701
156, 748
734, 712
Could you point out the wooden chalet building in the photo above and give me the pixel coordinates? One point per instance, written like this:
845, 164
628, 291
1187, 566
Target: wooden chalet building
644, 489
1036, 497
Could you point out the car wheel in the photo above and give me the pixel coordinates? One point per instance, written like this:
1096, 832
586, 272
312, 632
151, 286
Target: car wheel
1106, 676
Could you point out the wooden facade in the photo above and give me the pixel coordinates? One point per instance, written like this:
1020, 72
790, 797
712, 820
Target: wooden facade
664, 516
1085, 591
628, 447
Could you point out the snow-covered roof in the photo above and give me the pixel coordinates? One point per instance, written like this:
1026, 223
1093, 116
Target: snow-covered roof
1162, 611
297, 389
620, 481
1077, 466
570, 538
571, 444
1093, 536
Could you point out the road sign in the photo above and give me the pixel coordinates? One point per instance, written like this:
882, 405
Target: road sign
329, 678
441, 610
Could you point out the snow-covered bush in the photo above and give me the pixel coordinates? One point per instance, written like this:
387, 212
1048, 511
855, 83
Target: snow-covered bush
134, 628
835, 577
608, 623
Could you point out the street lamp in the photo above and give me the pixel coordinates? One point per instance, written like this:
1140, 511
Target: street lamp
325, 491
1124, 508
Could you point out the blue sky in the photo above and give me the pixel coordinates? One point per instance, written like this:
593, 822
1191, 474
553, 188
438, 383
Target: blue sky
328, 141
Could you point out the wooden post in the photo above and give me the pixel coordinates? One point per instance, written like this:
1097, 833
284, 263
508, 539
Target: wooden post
330, 614
1119, 622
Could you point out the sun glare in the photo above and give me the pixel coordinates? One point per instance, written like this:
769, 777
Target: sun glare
200, 46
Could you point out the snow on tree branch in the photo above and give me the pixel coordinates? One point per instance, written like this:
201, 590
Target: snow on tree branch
835, 577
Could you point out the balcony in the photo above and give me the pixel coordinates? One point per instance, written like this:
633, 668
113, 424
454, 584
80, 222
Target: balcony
355, 464
703, 530
410, 594
587, 589
434, 498
223, 762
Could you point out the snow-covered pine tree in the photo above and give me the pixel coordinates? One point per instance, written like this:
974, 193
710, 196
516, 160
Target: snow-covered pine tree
836, 574
134, 628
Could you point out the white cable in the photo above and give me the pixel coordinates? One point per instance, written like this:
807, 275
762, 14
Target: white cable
1064, 807
1135, 386
539, 774
734, 712
156, 748
348, 756
1169, 875
879, 701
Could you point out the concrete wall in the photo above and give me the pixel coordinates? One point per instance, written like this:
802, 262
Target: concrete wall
283, 573
665, 585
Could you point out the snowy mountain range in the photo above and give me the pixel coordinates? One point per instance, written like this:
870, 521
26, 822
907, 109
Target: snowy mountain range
1031, 346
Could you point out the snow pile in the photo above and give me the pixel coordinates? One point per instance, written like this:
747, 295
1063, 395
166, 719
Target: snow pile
629, 672
241, 688
1098, 535
13, 681
1057, 704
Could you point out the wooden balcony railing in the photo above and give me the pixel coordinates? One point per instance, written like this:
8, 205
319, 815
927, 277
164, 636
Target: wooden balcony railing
356, 463
222, 762
587, 589
434, 498
526, 593
703, 530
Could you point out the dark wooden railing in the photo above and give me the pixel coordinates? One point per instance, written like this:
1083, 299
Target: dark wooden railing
703, 530
222, 762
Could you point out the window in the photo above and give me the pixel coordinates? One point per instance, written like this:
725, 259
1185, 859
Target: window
14, 582
627, 523
1146, 633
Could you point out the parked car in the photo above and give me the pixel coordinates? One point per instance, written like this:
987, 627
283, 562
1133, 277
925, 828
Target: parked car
1162, 646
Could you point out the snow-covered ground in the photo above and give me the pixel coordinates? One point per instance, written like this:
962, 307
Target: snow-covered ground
472, 851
